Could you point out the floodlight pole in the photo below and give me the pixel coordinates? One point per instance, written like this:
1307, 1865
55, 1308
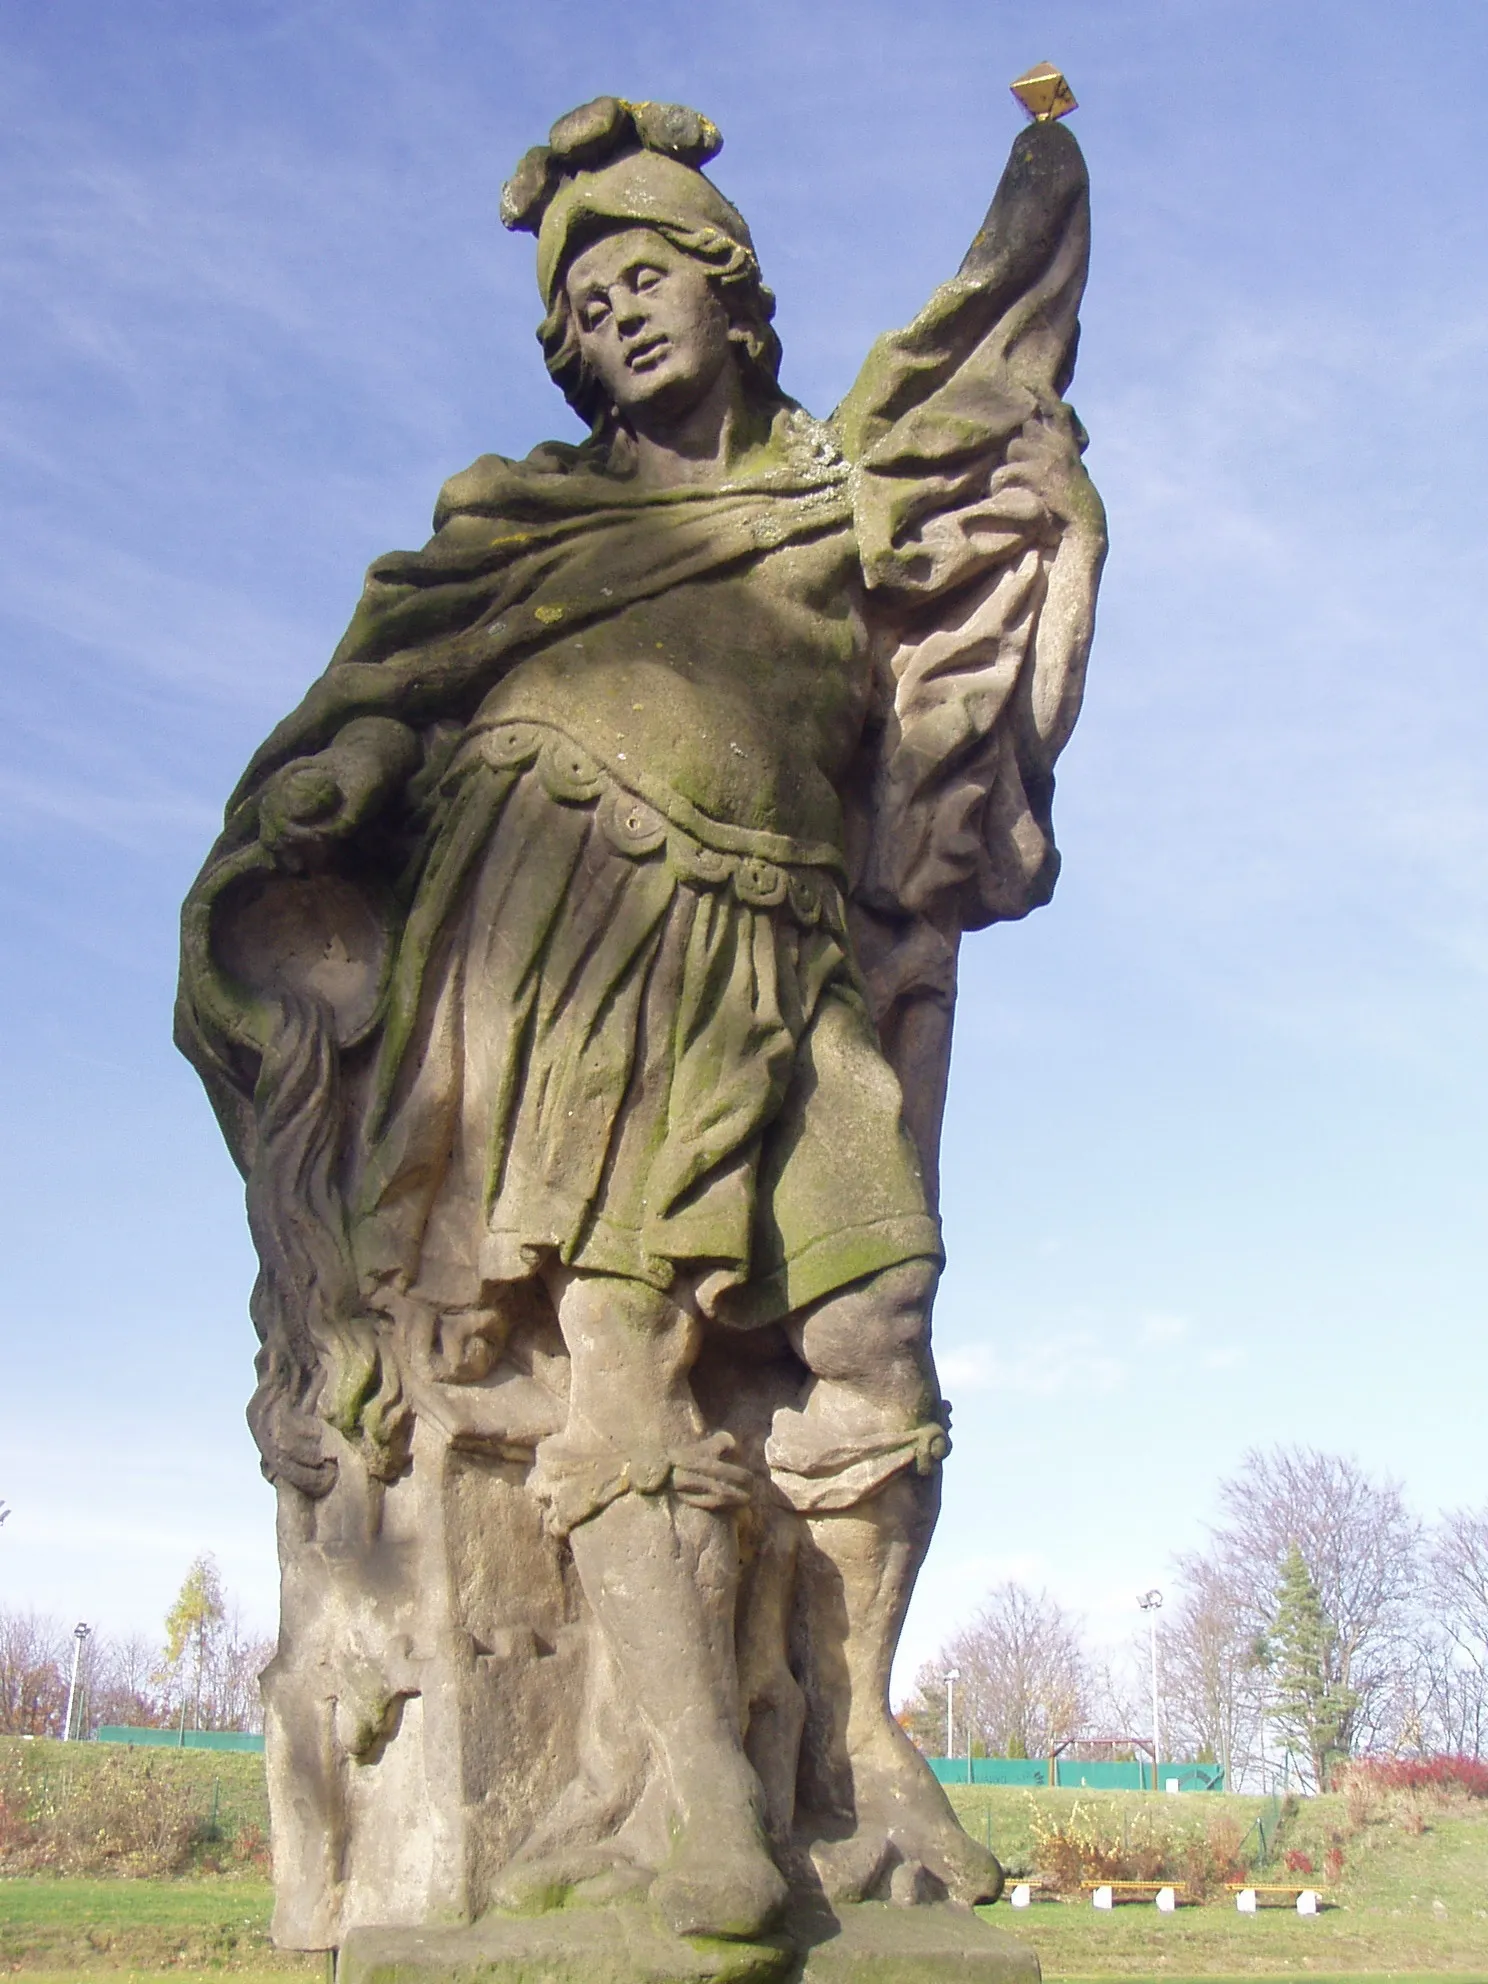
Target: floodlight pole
1151, 1603
80, 1634
953, 1675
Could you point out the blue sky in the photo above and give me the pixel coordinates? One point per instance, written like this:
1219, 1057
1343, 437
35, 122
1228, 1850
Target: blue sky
1214, 1157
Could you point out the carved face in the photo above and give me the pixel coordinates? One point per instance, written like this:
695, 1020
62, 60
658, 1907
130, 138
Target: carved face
650, 326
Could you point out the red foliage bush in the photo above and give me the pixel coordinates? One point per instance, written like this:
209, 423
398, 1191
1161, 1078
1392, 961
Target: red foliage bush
250, 1849
1298, 1862
1443, 1775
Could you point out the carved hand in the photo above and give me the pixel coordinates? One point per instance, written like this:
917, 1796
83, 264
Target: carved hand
312, 801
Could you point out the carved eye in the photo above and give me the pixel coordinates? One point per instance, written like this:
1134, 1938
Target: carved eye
593, 313
646, 279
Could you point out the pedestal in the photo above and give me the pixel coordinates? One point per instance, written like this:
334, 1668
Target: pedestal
870, 1943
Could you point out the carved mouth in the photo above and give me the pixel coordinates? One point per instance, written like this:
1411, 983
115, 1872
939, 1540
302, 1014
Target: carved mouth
646, 356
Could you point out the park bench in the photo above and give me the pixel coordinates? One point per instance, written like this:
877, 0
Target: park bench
1110, 1894
1277, 1894
1027, 1888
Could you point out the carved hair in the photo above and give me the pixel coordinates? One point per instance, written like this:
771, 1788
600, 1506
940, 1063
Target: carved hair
735, 278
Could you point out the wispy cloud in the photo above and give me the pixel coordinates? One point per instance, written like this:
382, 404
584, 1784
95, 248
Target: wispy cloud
1223, 1357
1292, 773
128, 819
1089, 1360
1072, 1363
199, 636
1162, 1329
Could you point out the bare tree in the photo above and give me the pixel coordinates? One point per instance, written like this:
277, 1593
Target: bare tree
122, 1687
33, 1674
1213, 1683
232, 1699
1360, 1546
1434, 1705
1118, 1697
1457, 1582
1024, 1677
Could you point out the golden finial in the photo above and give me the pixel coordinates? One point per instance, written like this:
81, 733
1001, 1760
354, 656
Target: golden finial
1044, 94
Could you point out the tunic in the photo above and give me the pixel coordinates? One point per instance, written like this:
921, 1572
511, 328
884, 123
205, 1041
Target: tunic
629, 1033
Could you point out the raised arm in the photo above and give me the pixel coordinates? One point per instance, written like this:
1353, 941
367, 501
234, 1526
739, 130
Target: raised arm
981, 539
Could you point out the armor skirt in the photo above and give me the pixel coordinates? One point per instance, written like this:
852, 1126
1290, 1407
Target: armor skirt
629, 1038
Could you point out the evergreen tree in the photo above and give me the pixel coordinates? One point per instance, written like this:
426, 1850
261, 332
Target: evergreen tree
1311, 1705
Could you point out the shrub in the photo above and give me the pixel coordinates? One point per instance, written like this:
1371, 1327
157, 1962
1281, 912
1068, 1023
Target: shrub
1086, 1845
1298, 1862
1209, 1862
1449, 1776
1089, 1845
113, 1819
250, 1850
1402, 1791
90, 1811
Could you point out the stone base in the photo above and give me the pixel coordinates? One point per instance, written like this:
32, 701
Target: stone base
875, 1942
870, 1943
570, 1946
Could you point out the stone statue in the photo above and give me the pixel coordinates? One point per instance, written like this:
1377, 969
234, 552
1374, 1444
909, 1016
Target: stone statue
573, 982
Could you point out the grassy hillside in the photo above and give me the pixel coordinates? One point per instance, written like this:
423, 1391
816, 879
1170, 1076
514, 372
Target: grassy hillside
239, 1774
104, 1808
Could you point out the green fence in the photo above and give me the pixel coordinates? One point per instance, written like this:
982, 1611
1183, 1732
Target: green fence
1070, 1774
177, 1739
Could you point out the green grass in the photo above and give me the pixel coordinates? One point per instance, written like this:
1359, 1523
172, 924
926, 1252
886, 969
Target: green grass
1383, 1921
177, 1975
43, 1900
214, 1923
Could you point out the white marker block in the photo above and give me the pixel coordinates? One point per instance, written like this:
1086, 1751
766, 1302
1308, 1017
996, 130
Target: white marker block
1307, 1902
1245, 1901
1103, 1898
1167, 1901
1172, 1784
1022, 1895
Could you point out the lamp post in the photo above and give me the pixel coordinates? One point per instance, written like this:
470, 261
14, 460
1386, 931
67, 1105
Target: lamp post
953, 1675
1151, 1603
80, 1634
